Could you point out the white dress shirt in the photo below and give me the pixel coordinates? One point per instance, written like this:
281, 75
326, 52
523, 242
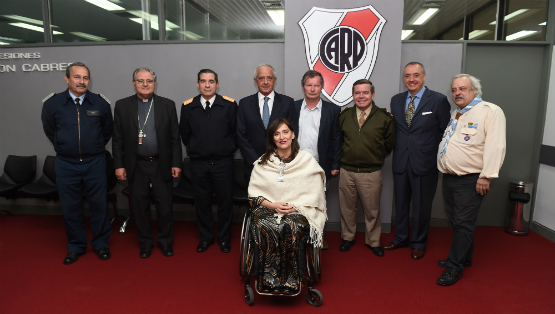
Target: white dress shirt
203, 101
270, 103
309, 128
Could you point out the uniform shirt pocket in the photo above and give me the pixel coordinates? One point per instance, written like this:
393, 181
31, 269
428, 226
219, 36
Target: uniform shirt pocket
467, 135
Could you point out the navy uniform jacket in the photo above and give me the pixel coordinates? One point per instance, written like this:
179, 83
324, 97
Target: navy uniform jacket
251, 134
77, 136
329, 136
419, 143
209, 139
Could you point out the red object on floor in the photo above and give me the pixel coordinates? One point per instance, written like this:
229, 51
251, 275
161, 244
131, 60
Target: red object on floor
510, 274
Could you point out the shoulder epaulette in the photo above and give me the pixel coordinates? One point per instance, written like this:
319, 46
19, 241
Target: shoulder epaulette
188, 101
48, 97
105, 98
387, 111
228, 98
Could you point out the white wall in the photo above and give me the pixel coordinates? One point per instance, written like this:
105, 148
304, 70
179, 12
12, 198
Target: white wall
544, 209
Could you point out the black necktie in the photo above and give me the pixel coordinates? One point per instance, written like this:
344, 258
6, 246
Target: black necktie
77, 104
207, 108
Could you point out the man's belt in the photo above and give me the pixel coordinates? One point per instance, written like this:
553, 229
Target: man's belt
148, 158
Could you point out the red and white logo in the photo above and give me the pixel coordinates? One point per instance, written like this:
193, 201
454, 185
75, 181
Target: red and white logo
342, 44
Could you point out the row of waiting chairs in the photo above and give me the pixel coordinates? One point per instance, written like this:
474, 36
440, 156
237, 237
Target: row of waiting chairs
19, 171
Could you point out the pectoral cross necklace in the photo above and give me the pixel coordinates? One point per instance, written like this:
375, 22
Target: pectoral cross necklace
141, 133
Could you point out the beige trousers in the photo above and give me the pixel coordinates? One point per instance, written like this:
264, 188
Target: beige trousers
367, 186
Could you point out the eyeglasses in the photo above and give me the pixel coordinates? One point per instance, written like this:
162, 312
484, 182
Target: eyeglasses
141, 81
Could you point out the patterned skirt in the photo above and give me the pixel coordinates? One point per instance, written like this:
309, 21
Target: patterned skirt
278, 247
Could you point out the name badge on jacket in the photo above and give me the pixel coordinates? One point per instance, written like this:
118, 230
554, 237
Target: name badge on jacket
93, 113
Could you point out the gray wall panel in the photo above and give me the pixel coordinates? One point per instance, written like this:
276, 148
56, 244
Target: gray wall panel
511, 79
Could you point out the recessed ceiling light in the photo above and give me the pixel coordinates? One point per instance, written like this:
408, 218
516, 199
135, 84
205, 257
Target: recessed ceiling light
543, 24
152, 18
476, 33
406, 34
422, 16
88, 36
521, 34
278, 16
191, 35
106, 5
510, 16
33, 27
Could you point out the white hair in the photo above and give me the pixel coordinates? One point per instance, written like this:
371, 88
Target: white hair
264, 65
473, 81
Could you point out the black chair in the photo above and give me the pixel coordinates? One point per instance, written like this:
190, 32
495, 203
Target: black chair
45, 186
18, 172
240, 184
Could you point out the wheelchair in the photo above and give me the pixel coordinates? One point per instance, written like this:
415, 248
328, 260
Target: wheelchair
309, 265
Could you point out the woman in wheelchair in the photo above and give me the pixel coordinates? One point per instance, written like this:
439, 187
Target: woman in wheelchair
286, 192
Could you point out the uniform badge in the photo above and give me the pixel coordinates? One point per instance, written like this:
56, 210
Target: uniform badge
107, 100
228, 98
188, 101
466, 138
342, 44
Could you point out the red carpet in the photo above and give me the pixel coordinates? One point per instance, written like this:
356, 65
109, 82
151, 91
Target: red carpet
509, 275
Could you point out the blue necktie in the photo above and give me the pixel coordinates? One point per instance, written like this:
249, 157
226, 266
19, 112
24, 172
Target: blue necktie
266, 113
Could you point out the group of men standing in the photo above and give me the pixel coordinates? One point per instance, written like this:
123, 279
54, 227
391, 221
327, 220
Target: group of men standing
353, 143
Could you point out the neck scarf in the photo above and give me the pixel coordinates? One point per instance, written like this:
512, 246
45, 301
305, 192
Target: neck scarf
453, 122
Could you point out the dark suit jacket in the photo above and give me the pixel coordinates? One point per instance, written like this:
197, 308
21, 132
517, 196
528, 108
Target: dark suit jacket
420, 142
329, 136
125, 136
251, 134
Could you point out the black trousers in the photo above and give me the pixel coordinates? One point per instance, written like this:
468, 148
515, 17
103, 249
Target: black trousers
161, 193
421, 189
208, 179
462, 204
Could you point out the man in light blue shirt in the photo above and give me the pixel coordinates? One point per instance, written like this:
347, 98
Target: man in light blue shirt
317, 126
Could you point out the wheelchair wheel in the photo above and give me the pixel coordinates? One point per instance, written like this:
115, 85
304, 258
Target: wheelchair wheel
249, 295
313, 263
314, 297
245, 249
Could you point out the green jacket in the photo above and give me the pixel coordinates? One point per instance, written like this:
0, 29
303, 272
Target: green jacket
364, 149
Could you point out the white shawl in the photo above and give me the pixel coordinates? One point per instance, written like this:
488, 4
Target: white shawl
301, 184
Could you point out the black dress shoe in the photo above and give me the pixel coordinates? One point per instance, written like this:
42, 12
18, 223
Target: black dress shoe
443, 263
103, 253
449, 277
167, 251
378, 250
346, 245
203, 246
145, 252
225, 247
72, 257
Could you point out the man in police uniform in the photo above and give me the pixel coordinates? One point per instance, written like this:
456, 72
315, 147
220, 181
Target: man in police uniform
368, 134
147, 153
470, 156
208, 130
79, 125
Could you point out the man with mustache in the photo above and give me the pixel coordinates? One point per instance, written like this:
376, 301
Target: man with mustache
147, 153
79, 125
256, 112
317, 126
470, 155
368, 135
208, 131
